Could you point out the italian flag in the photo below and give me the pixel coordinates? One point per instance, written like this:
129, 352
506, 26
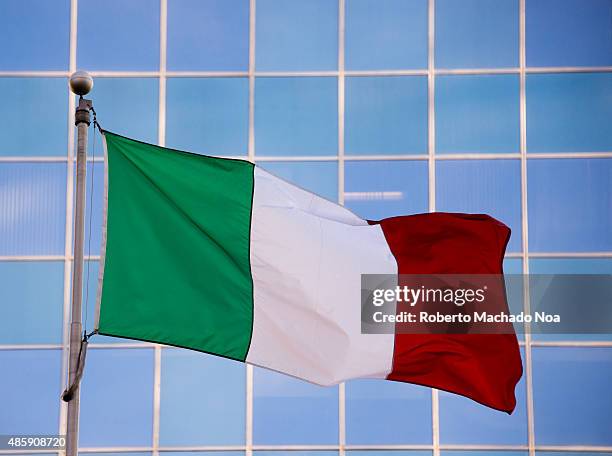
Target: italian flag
220, 256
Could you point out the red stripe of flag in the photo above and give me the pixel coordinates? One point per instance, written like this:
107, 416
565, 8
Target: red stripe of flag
482, 367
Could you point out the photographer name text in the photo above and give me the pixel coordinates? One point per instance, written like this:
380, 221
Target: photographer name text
475, 317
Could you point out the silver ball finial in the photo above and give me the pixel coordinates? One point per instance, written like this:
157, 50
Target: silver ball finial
81, 83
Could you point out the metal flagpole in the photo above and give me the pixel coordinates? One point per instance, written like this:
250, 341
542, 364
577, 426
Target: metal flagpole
80, 84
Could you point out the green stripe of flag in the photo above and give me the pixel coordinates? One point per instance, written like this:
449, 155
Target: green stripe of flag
177, 249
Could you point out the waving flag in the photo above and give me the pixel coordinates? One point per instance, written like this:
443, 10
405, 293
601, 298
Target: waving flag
220, 256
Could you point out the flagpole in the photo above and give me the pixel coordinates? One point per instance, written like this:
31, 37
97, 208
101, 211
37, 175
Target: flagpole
80, 84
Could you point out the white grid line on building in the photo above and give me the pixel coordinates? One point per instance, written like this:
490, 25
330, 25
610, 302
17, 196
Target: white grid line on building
431, 169
532, 255
332, 73
63, 406
156, 398
251, 76
251, 157
249, 410
341, 137
370, 157
163, 47
148, 345
341, 97
603, 343
431, 123
525, 226
161, 140
279, 448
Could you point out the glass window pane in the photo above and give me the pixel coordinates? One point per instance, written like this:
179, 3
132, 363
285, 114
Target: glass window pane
485, 426
208, 115
31, 381
94, 196
477, 33
476, 113
570, 205
571, 266
117, 398
40, 100
294, 35
90, 290
32, 297
569, 112
569, 32
380, 189
389, 413
297, 453
26, 24
130, 453
482, 186
573, 453
296, 116
33, 208
388, 453
386, 115
94, 201
118, 35
484, 453
387, 35
202, 399
513, 266
208, 35
513, 269
290, 411
572, 401
317, 177
31, 454
202, 453
128, 106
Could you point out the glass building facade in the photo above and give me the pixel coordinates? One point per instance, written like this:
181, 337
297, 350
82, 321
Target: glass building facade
387, 106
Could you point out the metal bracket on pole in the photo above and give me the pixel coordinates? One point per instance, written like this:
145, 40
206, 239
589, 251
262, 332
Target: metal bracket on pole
82, 112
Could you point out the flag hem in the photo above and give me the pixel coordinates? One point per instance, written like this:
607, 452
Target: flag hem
248, 348
149, 341
102, 260
104, 132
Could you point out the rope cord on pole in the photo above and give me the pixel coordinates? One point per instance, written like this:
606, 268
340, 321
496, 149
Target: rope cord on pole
95, 120
93, 168
96, 124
